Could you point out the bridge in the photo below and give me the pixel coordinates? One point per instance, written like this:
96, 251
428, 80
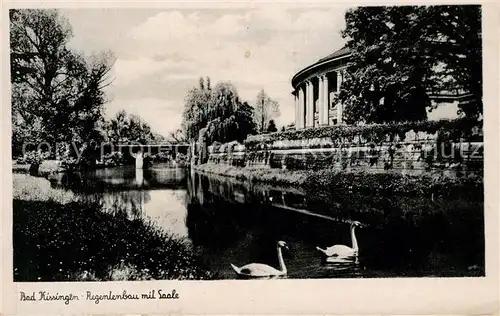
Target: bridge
152, 149
139, 152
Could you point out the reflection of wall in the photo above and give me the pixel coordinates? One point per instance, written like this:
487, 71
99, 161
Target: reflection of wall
125, 203
205, 190
120, 178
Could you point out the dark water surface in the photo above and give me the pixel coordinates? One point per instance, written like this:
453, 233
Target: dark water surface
234, 222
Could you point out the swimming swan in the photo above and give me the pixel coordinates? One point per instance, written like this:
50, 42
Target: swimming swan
259, 270
342, 252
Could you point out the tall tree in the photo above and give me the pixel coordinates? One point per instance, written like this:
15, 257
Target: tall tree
197, 109
216, 113
57, 93
400, 53
178, 136
460, 50
126, 128
265, 109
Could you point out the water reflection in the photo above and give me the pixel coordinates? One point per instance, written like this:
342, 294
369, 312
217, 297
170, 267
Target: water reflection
229, 221
157, 195
229, 231
122, 178
402, 236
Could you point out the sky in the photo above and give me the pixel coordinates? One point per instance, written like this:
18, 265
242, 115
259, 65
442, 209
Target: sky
161, 54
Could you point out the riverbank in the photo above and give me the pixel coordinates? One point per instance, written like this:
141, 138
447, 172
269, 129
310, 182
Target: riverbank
61, 236
339, 181
50, 167
256, 174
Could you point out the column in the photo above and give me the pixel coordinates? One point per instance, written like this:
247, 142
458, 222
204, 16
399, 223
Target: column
321, 104
301, 107
339, 79
326, 100
339, 106
309, 104
312, 109
306, 104
296, 107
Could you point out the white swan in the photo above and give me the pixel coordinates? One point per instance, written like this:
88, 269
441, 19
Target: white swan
259, 270
338, 253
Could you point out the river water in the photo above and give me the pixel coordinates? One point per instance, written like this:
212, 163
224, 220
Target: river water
230, 221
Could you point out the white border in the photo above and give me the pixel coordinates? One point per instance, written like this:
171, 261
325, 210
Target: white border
336, 296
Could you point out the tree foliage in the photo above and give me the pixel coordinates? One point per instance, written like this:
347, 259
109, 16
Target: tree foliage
271, 127
177, 136
401, 53
265, 110
340, 135
126, 128
57, 93
217, 114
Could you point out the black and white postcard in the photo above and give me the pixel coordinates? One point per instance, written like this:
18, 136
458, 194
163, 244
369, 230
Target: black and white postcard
250, 158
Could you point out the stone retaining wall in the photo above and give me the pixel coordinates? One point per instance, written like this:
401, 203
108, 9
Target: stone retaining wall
412, 152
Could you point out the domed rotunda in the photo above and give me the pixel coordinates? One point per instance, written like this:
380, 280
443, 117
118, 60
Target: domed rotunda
314, 89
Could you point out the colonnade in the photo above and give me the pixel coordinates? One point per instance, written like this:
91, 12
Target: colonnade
306, 104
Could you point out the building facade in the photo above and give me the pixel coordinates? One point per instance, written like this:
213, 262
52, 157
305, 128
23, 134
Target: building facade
314, 89
316, 85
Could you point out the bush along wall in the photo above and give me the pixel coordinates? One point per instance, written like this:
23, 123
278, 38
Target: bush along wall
377, 133
453, 146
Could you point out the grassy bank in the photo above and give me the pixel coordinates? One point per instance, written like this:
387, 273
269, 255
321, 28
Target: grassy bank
20, 168
256, 174
347, 182
29, 188
58, 237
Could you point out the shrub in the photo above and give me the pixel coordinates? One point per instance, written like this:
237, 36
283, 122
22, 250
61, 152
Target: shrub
29, 188
457, 128
394, 184
113, 159
76, 241
33, 157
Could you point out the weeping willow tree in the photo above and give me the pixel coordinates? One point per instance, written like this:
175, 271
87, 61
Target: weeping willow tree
217, 114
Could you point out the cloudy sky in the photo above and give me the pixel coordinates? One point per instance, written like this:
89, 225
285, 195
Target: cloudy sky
160, 54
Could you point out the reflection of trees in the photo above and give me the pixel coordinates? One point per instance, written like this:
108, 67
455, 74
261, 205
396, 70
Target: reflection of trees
190, 196
214, 227
129, 204
211, 220
401, 233
235, 191
120, 178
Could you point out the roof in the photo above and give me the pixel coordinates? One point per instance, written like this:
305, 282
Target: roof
337, 53
340, 54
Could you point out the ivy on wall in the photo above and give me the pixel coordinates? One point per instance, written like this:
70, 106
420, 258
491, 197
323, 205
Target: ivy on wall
377, 133
375, 146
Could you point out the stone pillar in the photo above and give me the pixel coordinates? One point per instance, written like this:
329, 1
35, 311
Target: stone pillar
340, 77
321, 104
301, 108
139, 160
309, 104
296, 107
326, 104
306, 103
